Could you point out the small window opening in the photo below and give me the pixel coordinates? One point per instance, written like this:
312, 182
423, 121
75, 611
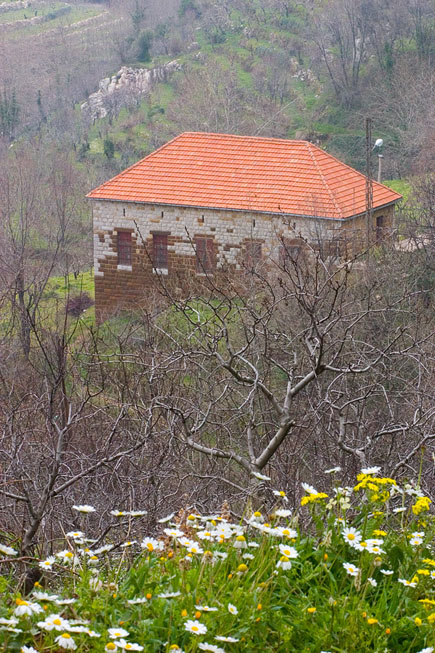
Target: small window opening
252, 253
160, 251
123, 211
163, 215
204, 248
380, 226
124, 248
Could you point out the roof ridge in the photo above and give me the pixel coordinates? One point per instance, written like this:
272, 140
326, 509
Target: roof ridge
245, 137
325, 183
360, 174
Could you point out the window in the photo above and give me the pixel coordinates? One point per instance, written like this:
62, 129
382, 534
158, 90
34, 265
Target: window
380, 226
160, 251
204, 248
252, 253
289, 251
124, 248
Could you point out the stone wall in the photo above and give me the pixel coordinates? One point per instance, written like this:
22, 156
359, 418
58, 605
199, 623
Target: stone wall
117, 286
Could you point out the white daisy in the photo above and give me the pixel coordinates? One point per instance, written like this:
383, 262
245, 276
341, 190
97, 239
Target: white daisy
352, 570
44, 596
66, 641
75, 534
12, 621
195, 627
7, 550
28, 649
210, 647
205, 608
169, 595
370, 470
54, 622
137, 601
85, 509
309, 489
128, 646
163, 520
261, 477
221, 638
288, 551
284, 563
372, 582
151, 544
386, 572
115, 633
232, 609
281, 531
240, 542
138, 513
351, 536
428, 649
407, 583
333, 470
281, 512
118, 513
47, 564
26, 608
281, 494
173, 532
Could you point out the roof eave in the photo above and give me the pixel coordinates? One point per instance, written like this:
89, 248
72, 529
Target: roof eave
256, 211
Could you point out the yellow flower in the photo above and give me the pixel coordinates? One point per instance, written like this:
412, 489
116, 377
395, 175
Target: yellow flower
431, 618
429, 561
418, 621
184, 613
148, 596
242, 568
197, 614
387, 631
311, 498
311, 610
421, 505
259, 606
372, 621
379, 533
423, 572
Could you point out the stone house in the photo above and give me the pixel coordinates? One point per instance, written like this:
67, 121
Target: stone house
205, 203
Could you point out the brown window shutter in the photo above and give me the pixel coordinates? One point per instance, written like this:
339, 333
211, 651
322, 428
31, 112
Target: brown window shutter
160, 251
124, 247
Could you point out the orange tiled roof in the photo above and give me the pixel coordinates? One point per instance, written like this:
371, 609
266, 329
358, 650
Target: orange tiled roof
247, 173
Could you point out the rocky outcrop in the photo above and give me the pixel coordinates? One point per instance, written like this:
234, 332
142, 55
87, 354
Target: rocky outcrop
124, 89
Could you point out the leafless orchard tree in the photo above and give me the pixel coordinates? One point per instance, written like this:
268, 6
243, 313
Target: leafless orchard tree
314, 366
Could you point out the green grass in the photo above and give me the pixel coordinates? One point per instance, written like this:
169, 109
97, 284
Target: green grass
76, 14
29, 12
245, 586
401, 186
